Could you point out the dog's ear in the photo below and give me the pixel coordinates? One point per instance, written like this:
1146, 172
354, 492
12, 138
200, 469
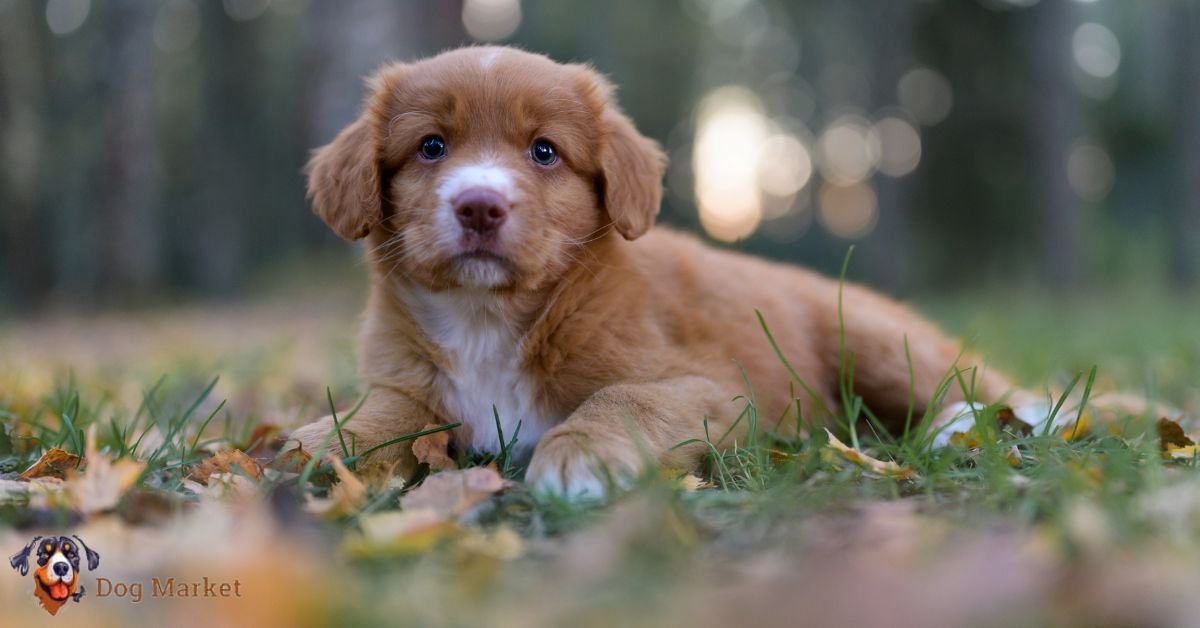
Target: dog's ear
631, 167
93, 559
344, 182
20, 560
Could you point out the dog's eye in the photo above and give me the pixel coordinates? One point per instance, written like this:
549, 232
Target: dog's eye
543, 153
433, 148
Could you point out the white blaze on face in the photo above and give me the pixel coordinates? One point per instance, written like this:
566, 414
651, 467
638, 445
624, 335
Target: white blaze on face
485, 174
59, 559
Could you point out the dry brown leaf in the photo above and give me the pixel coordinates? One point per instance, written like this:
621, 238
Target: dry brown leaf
434, 449
346, 497
54, 463
103, 482
291, 461
454, 494
1171, 435
232, 461
879, 467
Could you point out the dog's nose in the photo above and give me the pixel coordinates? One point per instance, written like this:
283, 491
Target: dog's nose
61, 569
481, 209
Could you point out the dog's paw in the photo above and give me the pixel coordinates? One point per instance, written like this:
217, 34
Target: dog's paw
319, 434
577, 467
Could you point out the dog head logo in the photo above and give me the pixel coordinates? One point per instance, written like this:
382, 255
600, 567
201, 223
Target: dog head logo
56, 578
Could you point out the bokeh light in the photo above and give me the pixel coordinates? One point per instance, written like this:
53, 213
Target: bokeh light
731, 131
1090, 171
245, 10
176, 25
491, 20
925, 94
1096, 50
900, 146
785, 165
848, 211
848, 150
64, 17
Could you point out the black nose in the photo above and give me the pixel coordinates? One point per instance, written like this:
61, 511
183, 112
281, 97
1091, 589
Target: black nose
61, 569
481, 210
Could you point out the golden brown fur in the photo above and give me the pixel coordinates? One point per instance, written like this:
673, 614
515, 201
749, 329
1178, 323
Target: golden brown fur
628, 337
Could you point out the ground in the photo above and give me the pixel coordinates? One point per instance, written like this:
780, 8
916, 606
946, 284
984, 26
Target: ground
1095, 526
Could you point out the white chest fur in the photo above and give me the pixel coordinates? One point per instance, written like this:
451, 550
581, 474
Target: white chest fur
485, 366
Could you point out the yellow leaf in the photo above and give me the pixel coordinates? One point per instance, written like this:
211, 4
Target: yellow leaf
1182, 453
692, 483
1077, 429
345, 498
879, 467
399, 532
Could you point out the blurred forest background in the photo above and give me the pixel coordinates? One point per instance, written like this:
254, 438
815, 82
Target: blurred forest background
152, 150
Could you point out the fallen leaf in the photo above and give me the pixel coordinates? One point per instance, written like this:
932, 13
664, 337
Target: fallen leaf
291, 461
692, 483
1189, 452
454, 494
1171, 435
1077, 429
399, 532
1008, 419
434, 449
346, 497
502, 543
54, 463
103, 482
879, 467
232, 461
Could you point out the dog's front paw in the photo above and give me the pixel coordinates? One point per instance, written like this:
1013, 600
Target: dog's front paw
575, 466
320, 434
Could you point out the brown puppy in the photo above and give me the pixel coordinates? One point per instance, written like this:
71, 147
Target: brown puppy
507, 204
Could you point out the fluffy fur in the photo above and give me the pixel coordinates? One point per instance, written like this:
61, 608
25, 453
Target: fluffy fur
608, 341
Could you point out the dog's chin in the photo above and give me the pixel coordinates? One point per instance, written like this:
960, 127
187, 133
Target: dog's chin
58, 591
482, 269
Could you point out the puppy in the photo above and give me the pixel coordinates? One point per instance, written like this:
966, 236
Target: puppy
56, 579
507, 205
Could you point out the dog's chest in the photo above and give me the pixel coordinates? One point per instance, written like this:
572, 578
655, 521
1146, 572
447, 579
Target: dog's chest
484, 379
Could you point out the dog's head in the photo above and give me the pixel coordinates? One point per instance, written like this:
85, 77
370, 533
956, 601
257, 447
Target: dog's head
56, 577
485, 167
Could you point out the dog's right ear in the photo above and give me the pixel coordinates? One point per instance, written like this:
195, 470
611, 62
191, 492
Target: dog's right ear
20, 560
344, 182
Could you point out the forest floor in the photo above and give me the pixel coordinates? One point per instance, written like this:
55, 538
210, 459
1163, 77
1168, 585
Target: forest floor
122, 429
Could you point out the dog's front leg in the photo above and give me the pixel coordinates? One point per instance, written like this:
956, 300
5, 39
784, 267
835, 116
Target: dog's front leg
387, 414
621, 430
79, 593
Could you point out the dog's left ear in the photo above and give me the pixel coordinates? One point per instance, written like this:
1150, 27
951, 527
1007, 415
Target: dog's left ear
93, 559
631, 167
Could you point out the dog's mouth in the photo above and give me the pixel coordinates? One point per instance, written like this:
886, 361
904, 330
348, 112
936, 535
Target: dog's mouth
57, 591
482, 255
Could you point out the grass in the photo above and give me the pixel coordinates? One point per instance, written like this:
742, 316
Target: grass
783, 513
